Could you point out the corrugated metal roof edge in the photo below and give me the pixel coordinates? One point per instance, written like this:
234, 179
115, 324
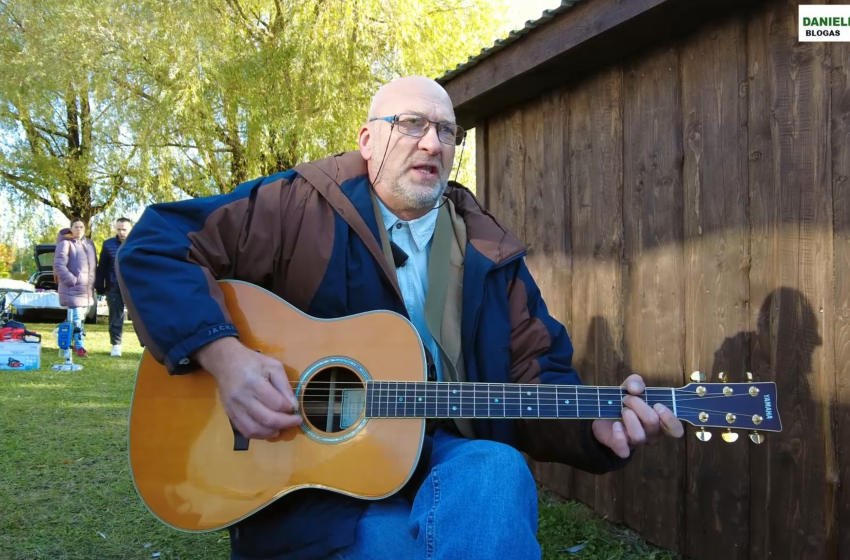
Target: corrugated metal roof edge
513, 36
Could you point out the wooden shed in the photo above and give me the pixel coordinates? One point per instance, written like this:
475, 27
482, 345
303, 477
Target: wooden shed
678, 170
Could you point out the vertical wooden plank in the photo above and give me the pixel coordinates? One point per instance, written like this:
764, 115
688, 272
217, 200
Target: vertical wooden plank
547, 229
481, 167
554, 476
654, 304
596, 181
793, 473
714, 104
496, 156
545, 181
840, 55
764, 223
506, 171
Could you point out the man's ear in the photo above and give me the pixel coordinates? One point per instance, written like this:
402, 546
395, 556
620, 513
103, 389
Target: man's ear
364, 141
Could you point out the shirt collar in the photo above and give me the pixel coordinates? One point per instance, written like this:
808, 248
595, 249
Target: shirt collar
421, 229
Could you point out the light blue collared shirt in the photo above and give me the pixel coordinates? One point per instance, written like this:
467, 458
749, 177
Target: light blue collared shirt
414, 238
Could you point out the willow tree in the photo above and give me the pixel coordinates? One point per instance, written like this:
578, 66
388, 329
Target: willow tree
106, 102
242, 88
62, 119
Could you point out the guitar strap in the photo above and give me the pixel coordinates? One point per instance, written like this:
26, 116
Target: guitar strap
325, 184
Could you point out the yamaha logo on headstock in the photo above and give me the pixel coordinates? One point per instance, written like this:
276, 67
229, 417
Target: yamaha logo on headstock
768, 407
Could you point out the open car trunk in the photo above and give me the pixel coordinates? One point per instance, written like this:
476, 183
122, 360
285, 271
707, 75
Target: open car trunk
43, 279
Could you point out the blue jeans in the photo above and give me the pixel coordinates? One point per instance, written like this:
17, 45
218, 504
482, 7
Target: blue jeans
78, 315
478, 502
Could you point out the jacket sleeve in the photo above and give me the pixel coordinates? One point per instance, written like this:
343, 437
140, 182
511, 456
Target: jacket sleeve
60, 265
92, 276
541, 352
168, 266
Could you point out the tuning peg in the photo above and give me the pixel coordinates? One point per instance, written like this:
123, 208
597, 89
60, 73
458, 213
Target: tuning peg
757, 438
730, 437
722, 376
698, 376
749, 377
702, 435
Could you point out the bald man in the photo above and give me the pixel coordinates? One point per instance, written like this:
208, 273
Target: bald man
380, 228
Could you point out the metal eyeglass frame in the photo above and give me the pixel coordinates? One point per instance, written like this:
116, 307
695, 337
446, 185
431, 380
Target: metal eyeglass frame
459, 136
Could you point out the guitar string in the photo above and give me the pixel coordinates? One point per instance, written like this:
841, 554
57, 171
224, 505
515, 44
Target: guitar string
513, 386
484, 383
542, 397
586, 403
548, 405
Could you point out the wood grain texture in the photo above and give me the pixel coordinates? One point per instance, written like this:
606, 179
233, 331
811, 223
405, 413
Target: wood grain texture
714, 103
547, 204
794, 473
840, 110
482, 149
588, 36
654, 301
506, 161
596, 182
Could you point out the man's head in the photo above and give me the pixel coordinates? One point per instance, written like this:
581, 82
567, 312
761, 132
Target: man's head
78, 228
409, 169
122, 228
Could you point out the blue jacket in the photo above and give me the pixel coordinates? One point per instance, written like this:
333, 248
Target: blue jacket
310, 236
106, 277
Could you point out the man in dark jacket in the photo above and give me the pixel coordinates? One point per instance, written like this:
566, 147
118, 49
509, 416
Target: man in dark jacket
107, 283
363, 231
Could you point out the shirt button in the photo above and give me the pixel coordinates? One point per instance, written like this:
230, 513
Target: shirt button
184, 361
398, 225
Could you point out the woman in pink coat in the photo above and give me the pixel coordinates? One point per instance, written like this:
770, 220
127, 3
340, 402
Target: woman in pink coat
74, 267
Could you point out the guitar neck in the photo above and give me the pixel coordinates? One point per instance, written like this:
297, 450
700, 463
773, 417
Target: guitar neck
393, 399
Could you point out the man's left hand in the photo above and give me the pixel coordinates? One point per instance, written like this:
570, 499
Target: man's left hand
641, 424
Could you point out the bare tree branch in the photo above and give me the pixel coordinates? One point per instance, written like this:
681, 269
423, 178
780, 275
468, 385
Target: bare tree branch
168, 145
118, 182
86, 123
133, 89
37, 126
15, 181
15, 19
248, 26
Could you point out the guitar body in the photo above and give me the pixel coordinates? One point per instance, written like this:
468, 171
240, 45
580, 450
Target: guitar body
193, 472
363, 396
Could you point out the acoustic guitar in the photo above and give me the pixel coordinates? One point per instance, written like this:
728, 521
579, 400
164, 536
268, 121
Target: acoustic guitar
363, 396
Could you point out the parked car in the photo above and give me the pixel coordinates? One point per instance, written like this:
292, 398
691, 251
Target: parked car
43, 279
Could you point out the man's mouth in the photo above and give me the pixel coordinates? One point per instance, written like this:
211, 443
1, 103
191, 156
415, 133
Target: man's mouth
426, 170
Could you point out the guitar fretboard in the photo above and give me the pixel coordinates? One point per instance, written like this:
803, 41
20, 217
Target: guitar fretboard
394, 399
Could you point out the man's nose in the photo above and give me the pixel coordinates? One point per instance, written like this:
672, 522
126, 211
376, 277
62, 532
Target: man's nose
431, 142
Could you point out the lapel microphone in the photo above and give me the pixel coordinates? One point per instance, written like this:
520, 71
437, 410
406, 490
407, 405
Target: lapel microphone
399, 256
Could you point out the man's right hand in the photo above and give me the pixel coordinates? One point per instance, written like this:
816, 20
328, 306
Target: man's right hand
255, 391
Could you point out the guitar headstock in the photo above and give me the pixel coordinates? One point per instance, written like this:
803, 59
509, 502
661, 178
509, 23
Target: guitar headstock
729, 406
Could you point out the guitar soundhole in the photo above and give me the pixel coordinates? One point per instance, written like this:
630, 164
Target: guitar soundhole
334, 400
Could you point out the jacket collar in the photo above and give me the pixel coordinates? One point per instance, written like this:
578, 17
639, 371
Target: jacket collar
484, 232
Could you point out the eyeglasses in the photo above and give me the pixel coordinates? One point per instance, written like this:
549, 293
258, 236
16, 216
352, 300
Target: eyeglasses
417, 126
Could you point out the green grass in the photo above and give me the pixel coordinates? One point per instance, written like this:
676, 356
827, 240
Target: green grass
66, 490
